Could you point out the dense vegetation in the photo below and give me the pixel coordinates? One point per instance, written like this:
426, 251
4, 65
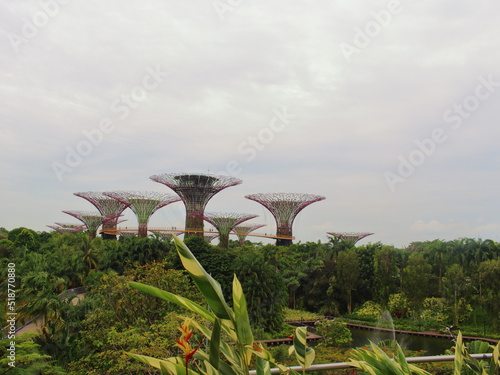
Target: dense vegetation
426, 285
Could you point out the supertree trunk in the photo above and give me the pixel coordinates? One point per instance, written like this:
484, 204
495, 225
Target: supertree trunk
143, 230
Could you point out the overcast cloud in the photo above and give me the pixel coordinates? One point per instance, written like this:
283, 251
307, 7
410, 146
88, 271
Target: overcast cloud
389, 109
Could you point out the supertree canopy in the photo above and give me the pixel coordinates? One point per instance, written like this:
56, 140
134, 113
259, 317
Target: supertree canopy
224, 222
143, 204
195, 190
91, 219
243, 230
108, 207
67, 228
349, 236
284, 207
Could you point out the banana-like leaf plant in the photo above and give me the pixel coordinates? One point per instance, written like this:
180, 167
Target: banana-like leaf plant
228, 331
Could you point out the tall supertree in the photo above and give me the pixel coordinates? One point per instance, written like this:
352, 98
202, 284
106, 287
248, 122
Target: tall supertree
224, 222
67, 228
195, 190
350, 236
242, 231
108, 207
143, 204
91, 219
284, 207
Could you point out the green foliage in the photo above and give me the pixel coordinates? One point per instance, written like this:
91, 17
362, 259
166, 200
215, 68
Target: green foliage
334, 333
29, 358
376, 361
123, 319
264, 289
435, 311
369, 311
464, 364
224, 325
398, 305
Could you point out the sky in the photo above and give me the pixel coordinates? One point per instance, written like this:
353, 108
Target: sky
388, 109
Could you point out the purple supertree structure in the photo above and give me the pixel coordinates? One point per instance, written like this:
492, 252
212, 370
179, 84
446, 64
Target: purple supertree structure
108, 207
195, 190
67, 228
242, 231
91, 219
143, 204
165, 236
210, 237
284, 207
128, 233
224, 222
349, 236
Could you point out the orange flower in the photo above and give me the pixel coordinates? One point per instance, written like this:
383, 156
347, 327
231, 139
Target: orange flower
183, 342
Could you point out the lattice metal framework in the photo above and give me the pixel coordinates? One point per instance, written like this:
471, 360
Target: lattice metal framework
224, 222
350, 236
128, 233
67, 228
210, 237
165, 236
143, 204
195, 190
242, 231
107, 206
284, 207
91, 219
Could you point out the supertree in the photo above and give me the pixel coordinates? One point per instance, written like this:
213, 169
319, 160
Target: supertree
108, 207
195, 190
210, 237
242, 231
91, 219
128, 233
224, 222
349, 236
143, 204
284, 207
164, 235
67, 228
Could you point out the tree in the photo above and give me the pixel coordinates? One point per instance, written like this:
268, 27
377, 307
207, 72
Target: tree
489, 275
347, 275
386, 274
457, 284
416, 277
264, 289
29, 358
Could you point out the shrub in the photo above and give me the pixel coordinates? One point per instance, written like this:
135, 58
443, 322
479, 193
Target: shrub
334, 333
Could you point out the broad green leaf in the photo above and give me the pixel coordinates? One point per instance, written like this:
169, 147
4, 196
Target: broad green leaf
263, 367
243, 327
459, 355
242, 321
173, 366
181, 301
305, 355
215, 344
208, 286
224, 368
262, 353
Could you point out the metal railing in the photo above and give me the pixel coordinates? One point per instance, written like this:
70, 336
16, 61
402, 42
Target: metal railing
344, 365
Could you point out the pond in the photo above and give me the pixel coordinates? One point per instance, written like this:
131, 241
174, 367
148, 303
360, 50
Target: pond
431, 345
